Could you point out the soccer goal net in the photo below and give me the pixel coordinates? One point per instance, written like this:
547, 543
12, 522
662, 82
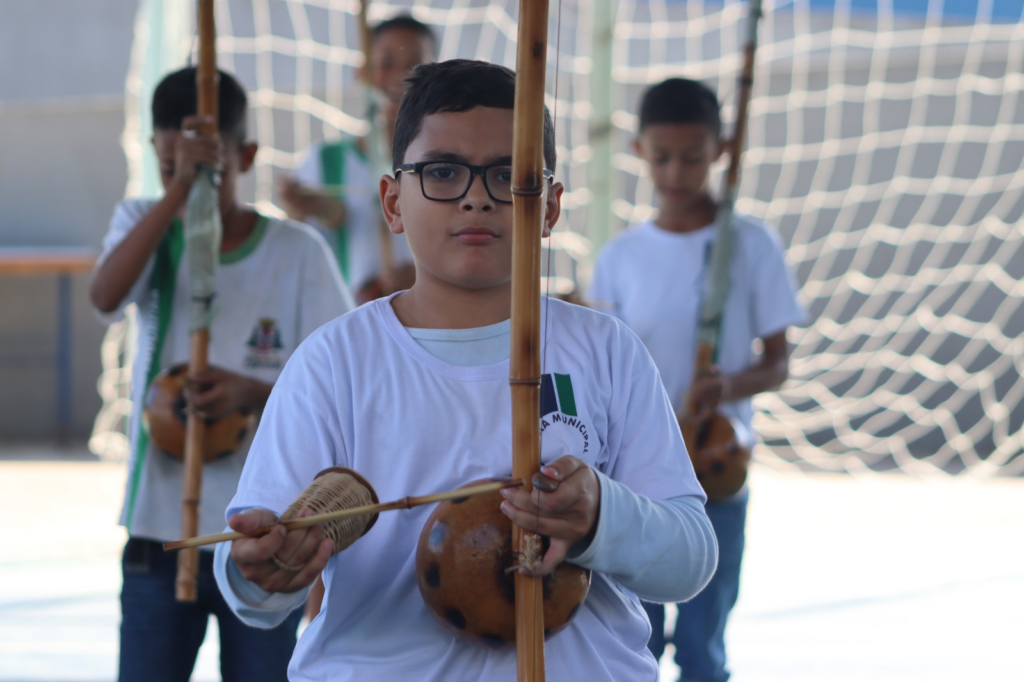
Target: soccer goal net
886, 141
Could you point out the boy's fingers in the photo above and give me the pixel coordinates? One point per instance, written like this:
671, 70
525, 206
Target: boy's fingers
552, 526
191, 124
205, 399
300, 546
207, 378
547, 481
250, 520
563, 467
197, 378
257, 550
295, 570
522, 518
196, 120
557, 551
711, 372
314, 567
569, 478
206, 407
205, 143
280, 580
529, 502
538, 502
544, 483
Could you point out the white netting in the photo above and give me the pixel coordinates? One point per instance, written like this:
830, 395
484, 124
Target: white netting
109, 438
302, 59
885, 145
887, 148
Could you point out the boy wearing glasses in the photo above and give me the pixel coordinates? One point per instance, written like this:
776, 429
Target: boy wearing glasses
431, 411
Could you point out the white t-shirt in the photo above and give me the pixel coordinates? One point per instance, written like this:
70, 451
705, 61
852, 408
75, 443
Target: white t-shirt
360, 260
271, 293
655, 281
362, 393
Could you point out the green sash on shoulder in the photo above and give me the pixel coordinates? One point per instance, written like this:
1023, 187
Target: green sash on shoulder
162, 283
332, 173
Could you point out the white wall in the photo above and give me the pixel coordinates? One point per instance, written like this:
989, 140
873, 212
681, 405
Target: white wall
62, 72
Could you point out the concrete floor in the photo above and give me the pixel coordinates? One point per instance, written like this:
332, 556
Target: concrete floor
882, 578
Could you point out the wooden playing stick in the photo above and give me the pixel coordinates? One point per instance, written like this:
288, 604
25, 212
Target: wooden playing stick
305, 522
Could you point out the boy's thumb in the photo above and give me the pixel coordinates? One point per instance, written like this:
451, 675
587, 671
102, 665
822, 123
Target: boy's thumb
250, 520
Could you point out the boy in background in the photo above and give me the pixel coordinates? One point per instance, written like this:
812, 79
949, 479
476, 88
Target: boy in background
335, 189
433, 411
276, 282
654, 277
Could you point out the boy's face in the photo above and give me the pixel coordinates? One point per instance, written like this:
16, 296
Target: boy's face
465, 243
679, 156
393, 55
238, 159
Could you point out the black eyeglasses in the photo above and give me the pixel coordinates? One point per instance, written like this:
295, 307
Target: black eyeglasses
451, 180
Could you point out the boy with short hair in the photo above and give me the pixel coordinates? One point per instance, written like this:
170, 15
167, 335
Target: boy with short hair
276, 282
433, 411
335, 188
654, 277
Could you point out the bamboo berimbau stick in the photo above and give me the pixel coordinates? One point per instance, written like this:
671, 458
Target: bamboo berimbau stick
186, 588
306, 521
528, 217
709, 328
365, 37
732, 178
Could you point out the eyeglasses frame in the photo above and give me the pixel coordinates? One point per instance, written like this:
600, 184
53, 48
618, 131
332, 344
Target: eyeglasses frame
474, 170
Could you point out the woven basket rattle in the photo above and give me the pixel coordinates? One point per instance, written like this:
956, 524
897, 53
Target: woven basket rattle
332, 490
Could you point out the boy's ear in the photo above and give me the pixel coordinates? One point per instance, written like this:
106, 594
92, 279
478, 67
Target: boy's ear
390, 189
723, 146
248, 154
552, 208
638, 149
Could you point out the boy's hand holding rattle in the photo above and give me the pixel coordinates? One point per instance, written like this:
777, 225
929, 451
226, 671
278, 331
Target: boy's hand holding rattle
282, 560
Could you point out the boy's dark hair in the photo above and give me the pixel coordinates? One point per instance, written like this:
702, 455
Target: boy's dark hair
458, 85
404, 21
175, 98
680, 100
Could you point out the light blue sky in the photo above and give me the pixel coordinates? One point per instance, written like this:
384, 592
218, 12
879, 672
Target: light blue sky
1004, 10
1001, 10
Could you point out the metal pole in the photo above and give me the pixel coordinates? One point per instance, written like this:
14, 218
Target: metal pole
63, 358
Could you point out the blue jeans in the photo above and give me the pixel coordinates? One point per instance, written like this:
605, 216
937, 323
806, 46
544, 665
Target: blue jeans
699, 636
160, 637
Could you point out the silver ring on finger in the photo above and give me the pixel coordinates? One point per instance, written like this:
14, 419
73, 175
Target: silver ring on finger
287, 567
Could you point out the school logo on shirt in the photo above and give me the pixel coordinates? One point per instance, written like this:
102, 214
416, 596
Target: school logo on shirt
264, 345
558, 409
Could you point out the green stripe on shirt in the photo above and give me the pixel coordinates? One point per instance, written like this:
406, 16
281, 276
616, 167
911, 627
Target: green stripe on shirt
566, 397
162, 283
